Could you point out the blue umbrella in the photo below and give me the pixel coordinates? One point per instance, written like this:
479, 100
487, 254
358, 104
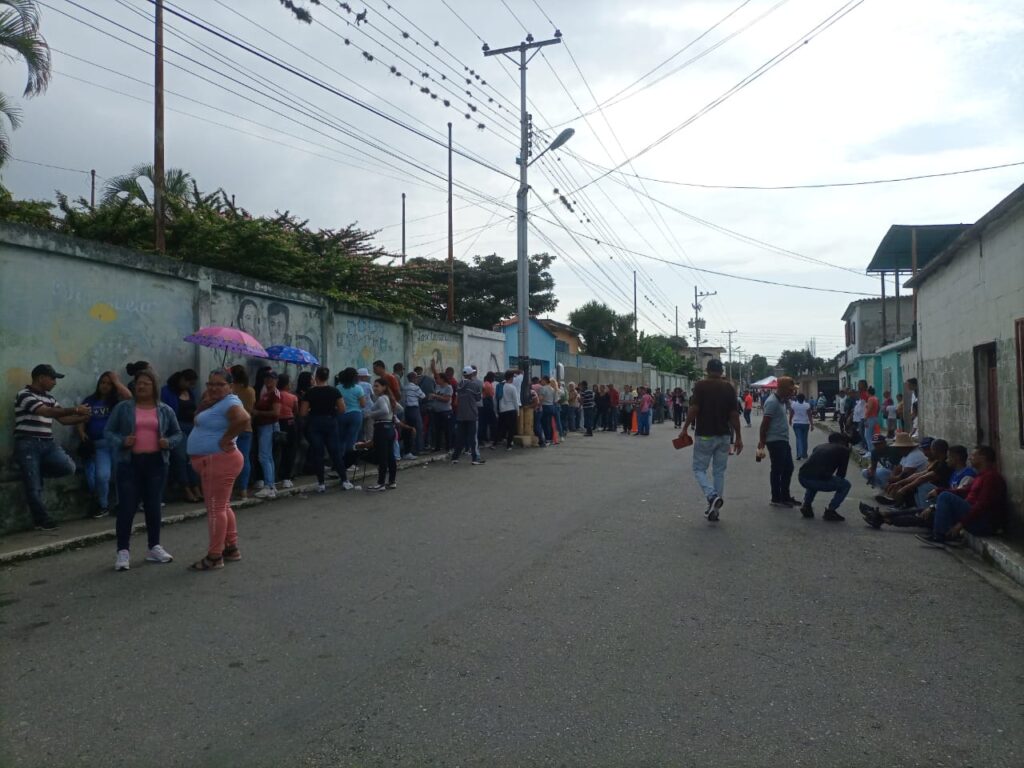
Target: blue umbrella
292, 355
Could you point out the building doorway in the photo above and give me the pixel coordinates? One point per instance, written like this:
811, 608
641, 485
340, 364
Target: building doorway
986, 396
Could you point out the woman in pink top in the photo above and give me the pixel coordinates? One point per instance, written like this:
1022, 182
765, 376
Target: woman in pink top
145, 432
643, 419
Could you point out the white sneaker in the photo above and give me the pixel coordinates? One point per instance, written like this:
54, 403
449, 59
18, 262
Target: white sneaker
376, 488
346, 485
123, 562
259, 485
321, 488
287, 484
158, 555
266, 493
409, 457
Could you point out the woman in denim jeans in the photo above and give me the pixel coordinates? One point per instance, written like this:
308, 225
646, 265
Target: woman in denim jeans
100, 464
265, 415
145, 431
180, 394
350, 422
247, 396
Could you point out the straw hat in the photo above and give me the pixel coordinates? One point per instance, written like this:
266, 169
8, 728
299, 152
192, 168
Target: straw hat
903, 440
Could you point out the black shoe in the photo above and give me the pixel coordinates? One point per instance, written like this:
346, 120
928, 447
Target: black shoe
478, 462
100, 513
832, 516
806, 511
887, 501
46, 525
867, 510
930, 540
792, 502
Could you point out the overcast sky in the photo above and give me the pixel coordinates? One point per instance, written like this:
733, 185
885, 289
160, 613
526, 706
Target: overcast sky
894, 88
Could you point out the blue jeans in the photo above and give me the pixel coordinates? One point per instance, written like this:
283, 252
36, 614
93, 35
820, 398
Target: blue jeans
466, 440
265, 438
39, 458
413, 442
714, 451
141, 479
840, 486
801, 431
547, 416
950, 509
868, 426
350, 429
244, 443
643, 424
881, 478
323, 435
98, 472
588, 420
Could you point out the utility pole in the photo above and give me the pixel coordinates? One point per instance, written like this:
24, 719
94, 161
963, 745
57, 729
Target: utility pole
403, 225
92, 189
697, 323
522, 260
677, 321
636, 336
158, 129
729, 334
451, 243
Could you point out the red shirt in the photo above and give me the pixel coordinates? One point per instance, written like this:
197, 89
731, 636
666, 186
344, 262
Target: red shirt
288, 404
613, 397
392, 384
987, 497
871, 407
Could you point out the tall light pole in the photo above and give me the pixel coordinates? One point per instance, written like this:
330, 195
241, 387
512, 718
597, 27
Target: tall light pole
522, 260
158, 128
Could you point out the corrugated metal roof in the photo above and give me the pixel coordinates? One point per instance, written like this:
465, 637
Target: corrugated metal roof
894, 251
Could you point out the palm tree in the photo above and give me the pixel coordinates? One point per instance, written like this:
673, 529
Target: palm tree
19, 36
129, 187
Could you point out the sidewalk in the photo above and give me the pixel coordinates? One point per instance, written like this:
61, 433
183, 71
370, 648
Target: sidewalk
73, 534
1005, 555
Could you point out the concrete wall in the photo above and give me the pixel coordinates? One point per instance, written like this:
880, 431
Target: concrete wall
971, 301
867, 319
484, 349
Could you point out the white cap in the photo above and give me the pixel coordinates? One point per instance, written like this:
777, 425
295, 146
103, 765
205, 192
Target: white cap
468, 370
362, 372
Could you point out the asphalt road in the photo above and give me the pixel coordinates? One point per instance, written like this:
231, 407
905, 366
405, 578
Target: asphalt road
564, 607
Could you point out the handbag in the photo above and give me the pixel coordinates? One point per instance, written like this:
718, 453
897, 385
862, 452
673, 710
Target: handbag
682, 441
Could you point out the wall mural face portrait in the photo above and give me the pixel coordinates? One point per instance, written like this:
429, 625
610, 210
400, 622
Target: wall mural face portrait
278, 324
271, 323
248, 319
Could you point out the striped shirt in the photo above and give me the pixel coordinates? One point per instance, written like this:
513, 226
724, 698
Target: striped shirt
587, 398
27, 423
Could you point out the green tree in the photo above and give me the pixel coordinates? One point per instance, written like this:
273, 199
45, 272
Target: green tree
20, 37
758, 367
795, 362
128, 187
600, 327
485, 289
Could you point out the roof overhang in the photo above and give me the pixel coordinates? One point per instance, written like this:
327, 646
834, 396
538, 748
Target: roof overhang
895, 252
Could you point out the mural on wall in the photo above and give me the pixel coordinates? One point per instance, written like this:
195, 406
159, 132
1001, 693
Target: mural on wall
272, 322
444, 349
358, 341
85, 319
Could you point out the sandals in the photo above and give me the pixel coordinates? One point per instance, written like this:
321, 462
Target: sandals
232, 555
207, 564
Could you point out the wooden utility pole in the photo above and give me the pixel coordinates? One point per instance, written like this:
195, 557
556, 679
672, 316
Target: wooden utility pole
451, 243
403, 229
636, 336
158, 129
92, 189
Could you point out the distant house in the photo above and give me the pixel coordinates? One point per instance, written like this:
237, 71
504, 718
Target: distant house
543, 345
867, 355
567, 338
706, 353
970, 340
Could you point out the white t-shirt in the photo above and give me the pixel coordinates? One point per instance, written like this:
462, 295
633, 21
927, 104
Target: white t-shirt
858, 410
914, 461
801, 412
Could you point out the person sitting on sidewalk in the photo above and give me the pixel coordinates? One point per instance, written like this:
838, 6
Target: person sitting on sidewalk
912, 459
914, 490
979, 509
825, 471
35, 450
921, 516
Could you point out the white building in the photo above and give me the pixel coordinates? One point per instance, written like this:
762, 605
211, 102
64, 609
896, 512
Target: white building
970, 341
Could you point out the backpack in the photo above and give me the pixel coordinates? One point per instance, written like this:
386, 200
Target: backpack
499, 391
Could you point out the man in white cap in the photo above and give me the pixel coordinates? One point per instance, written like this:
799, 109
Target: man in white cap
470, 395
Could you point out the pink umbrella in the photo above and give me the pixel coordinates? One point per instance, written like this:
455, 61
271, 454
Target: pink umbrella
228, 339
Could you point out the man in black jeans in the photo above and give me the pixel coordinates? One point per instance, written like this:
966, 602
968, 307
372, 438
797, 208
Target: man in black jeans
775, 437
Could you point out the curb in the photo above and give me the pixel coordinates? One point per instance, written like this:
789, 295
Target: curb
97, 537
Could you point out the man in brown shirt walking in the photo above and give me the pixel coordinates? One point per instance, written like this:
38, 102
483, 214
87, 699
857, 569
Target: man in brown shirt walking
715, 411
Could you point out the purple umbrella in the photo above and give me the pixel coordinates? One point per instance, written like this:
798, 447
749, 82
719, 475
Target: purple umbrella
228, 339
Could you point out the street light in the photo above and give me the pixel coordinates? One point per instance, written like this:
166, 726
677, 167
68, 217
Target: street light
522, 260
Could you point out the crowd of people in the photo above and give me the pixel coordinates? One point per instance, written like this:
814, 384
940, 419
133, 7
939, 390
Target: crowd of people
147, 441
924, 483
143, 442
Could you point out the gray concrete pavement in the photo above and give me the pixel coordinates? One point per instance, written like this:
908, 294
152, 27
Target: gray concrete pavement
560, 607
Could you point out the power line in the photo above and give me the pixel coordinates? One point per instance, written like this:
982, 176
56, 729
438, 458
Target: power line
770, 64
47, 165
823, 185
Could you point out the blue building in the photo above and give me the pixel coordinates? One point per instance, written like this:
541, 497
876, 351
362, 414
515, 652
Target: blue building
542, 346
